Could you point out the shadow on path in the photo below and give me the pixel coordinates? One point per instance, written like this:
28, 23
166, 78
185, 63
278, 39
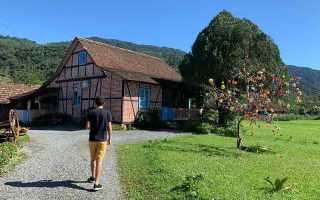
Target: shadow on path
49, 184
58, 128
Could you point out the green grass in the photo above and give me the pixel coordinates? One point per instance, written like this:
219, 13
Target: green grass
150, 170
12, 153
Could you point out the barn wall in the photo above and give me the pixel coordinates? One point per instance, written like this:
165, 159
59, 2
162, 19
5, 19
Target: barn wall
100, 83
131, 99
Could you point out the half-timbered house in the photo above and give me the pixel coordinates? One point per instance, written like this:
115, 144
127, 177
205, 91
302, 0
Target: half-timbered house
130, 82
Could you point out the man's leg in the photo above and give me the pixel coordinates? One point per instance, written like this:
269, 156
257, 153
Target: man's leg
102, 148
93, 168
93, 152
98, 171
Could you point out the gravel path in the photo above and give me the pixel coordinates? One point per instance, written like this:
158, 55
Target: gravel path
58, 166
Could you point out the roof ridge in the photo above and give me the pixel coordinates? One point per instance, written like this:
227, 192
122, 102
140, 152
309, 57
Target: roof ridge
102, 43
24, 84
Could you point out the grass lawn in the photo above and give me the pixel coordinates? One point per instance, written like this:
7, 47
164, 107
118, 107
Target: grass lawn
12, 153
150, 170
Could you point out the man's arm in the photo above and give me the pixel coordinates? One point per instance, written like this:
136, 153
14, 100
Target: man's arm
109, 128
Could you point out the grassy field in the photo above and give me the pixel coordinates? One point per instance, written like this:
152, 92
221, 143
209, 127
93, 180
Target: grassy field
150, 170
12, 153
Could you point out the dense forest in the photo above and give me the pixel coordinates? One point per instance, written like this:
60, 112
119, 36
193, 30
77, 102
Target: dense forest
25, 61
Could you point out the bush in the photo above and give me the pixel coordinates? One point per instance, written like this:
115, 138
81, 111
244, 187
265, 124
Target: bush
191, 126
7, 151
117, 127
149, 120
211, 116
315, 110
225, 117
204, 128
198, 127
229, 131
122, 127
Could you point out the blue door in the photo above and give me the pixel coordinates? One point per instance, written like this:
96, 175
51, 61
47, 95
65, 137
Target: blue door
167, 114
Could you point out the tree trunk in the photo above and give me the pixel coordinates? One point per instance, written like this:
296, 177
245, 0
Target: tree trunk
239, 140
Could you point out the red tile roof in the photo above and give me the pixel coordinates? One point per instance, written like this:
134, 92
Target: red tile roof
129, 65
12, 91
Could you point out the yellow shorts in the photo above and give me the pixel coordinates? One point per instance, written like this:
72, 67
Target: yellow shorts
97, 150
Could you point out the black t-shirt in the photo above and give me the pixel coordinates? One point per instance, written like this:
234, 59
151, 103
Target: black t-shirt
99, 119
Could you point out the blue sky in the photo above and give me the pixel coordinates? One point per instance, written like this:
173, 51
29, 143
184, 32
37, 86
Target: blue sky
293, 24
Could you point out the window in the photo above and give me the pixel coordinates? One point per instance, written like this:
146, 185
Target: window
192, 103
76, 94
82, 59
144, 98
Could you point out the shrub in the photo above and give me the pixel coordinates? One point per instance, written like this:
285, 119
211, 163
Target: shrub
150, 120
229, 131
117, 127
204, 128
315, 110
191, 126
198, 127
211, 116
7, 151
225, 117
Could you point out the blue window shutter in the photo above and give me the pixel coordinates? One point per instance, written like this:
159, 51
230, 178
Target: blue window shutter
141, 95
82, 58
147, 98
75, 94
144, 98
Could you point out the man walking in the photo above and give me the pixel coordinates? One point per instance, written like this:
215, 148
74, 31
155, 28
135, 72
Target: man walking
99, 123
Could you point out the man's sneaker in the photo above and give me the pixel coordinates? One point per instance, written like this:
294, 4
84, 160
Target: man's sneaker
97, 187
91, 179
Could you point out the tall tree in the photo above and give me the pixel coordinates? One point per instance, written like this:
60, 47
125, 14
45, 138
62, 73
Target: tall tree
225, 45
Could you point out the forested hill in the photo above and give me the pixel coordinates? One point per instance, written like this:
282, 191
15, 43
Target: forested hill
310, 79
25, 61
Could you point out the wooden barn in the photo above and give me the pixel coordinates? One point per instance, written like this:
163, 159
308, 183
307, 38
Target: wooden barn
10, 95
130, 82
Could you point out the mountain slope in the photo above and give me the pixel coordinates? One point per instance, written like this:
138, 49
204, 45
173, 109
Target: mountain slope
310, 79
25, 61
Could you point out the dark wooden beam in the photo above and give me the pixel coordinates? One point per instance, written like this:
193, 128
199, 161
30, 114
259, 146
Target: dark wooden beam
95, 93
122, 98
106, 98
73, 66
67, 97
134, 114
73, 99
89, 94
155, 104
110, 101
81, 78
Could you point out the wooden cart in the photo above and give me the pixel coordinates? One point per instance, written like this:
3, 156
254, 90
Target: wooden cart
10, 128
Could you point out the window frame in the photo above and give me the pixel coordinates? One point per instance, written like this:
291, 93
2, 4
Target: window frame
77, 94
82, 58
143, 98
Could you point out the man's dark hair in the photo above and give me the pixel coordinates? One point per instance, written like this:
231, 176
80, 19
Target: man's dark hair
99, 101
